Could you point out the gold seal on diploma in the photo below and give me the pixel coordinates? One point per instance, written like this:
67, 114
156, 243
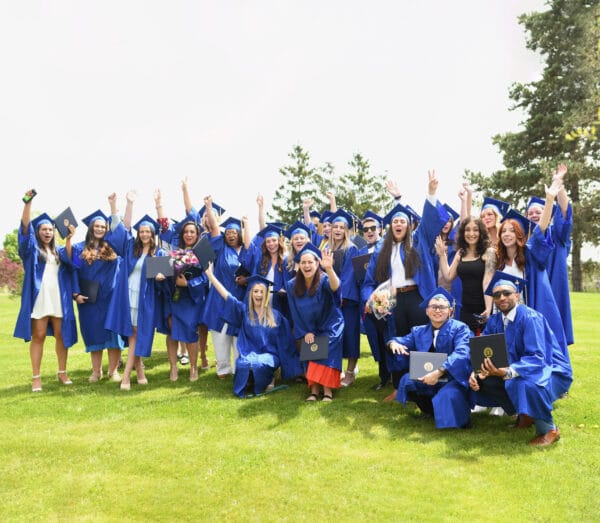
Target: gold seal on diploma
428, 366
488, 352
314, 347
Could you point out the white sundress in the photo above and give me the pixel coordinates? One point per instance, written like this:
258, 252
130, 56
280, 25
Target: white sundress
48, 301
134, 289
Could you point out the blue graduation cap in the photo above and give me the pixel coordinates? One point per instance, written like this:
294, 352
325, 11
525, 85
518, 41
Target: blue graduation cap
341, 216
451, 212
416, 217
370, 215
280, 225
232, 223
534, 201
526, 225
442, 294
257, 278
326, 216
398, 211
270, 231
315, 214
42, 219
94, 217
297, 228
219, 211
149, 222
500, 207
309, 248
503, 278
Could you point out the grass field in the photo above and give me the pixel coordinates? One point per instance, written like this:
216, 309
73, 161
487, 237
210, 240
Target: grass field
181, 451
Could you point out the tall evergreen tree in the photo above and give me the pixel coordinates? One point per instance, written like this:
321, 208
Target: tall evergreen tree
566, 96
359, 190
299, 184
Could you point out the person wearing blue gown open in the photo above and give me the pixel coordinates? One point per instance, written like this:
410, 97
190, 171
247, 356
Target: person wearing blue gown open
264, 339
47, 294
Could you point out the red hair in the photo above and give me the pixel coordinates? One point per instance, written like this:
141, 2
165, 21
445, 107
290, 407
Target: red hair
521, 241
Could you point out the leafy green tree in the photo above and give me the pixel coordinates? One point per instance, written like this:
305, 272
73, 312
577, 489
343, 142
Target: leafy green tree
359, 190
300, 183
11, 247
567, 36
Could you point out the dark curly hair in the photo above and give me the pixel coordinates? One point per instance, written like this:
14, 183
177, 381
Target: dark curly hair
482, 243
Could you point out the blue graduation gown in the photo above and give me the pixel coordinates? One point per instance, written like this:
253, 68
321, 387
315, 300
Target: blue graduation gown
118, 318
538, 293
560, 232
321, 315
34, 268
451, 406
350, 305
92, 316
225, 265
532, 352
261, 349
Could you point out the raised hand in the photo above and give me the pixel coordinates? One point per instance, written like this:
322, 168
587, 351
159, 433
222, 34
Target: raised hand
392, 188
433, 182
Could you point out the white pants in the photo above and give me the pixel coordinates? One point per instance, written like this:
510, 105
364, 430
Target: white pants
223, 344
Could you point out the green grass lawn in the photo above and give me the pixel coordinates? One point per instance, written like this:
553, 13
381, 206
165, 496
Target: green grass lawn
181, 451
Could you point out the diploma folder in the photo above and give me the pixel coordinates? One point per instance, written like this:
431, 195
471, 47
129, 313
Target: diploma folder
158, 264
421, 363
63, 220
317, 350
204, 252
360, 264
89, 288
492, 346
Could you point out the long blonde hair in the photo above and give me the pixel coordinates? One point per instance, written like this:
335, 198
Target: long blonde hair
265, 316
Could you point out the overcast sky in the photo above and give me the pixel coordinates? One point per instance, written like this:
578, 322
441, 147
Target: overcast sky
102, 96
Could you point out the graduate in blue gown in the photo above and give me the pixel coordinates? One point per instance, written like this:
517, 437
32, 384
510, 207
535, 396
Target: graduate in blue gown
96, 261
443, 392
314, 297
298, 235
343, 251
47, 293
185, 292
560, 233
229, 250
135, 310
527, 386
404, 261
265, 339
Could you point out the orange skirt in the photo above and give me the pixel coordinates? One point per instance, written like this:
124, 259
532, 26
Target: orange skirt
323, 375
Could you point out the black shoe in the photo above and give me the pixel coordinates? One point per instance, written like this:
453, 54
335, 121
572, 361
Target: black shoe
381, 385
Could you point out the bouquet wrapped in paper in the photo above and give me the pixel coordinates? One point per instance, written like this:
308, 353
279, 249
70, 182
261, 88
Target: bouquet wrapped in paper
184, 262
383, 300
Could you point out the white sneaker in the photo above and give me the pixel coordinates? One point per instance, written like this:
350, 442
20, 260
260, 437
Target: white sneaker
497, 411
479, 408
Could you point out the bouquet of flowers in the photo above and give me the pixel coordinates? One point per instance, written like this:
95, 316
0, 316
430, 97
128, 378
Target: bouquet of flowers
184, 262
383, 300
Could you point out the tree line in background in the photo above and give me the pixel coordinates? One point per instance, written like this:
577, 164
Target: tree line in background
566, 97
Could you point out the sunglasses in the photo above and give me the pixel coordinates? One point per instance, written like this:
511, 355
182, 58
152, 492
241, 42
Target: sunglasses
497, 294
372, 228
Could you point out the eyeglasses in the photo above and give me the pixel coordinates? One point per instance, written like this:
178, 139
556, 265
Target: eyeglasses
372, 228
438, 307
497, 294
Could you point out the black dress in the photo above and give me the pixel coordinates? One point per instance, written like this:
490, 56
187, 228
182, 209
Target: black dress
471, 275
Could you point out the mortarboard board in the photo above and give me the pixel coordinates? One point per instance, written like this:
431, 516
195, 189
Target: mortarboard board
534, 200
503, 278
500, 207
326, 216
218, 210
232, 223
41, 220
526, 225
282, 226
270, 231
370, 215
341, 216
309, 248
442, 294
297, 228
147, 221
451, 212
95, 216
257, 278
416, 217
315, 214
63, 221
398, 210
